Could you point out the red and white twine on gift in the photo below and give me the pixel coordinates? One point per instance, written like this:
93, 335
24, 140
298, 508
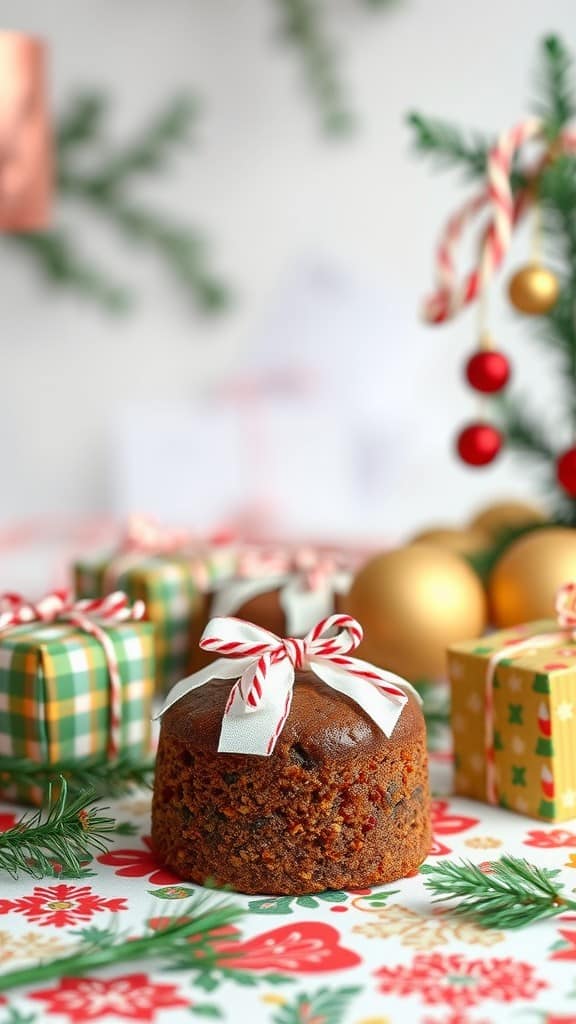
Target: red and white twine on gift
315, 567
453, 294
89, 616
144, 537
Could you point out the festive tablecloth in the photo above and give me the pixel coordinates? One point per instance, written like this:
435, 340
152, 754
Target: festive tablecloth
381, 956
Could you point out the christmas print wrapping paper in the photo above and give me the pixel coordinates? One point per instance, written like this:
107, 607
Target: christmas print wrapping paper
55, 693
380, 956
167, 586
534, 734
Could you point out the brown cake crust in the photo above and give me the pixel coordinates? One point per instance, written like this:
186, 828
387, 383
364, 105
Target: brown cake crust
336, 806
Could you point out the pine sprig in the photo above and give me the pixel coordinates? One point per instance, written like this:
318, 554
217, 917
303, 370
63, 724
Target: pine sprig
513, 893
60, 263
449, 146
98, 774
303, 26
81, 138
67, 832
557, 102
147, 153
184, 943
80, 122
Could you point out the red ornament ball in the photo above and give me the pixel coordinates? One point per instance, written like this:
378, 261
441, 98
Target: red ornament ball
566, 472
478, 444
488, 371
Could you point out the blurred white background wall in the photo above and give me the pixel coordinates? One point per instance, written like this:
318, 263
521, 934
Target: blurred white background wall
270, 192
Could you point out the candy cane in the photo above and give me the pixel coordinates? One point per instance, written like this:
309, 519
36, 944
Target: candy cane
452, 296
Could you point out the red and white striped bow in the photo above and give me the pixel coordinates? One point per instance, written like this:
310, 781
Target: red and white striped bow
264, 664
90, 616
146, 535
259, 563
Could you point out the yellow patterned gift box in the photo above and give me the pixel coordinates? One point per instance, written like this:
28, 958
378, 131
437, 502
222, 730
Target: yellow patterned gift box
514, 719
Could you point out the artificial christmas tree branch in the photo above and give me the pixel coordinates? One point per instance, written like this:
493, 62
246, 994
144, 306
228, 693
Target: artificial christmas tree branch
303, 25
556, 102
550, 187
449, 146
67, 832
98, 773
512, 893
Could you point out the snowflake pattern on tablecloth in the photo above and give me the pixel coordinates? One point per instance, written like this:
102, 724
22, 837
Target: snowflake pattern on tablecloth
30, 946
61, 905
425, 931
455, 980
550, 839
130, 996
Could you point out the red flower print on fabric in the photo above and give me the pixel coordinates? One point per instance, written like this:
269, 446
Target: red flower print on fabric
565, 948
7, 821
304, 948
132, 996
438, 849
447, 824
61, 905
458, 982
554, 839
458, 1018
137, 863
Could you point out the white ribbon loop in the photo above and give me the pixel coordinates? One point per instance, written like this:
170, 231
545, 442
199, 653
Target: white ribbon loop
264, 665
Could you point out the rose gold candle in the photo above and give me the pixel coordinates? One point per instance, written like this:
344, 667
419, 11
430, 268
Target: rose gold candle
26, 161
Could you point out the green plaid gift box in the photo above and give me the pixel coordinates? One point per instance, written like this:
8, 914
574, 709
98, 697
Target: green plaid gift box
54, 694
167, 587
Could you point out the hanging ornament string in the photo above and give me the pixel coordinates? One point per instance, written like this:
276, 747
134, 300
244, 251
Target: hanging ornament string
89, 616
505, 210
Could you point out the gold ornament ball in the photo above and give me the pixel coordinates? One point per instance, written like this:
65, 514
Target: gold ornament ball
462, 542
533, 290
523, 584
505, 515
413, 602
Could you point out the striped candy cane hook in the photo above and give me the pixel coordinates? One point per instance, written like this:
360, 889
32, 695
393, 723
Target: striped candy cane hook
452, 295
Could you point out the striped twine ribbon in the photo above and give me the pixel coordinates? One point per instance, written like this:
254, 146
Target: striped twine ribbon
90, 616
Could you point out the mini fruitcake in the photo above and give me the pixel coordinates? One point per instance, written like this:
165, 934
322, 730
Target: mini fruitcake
337, 805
